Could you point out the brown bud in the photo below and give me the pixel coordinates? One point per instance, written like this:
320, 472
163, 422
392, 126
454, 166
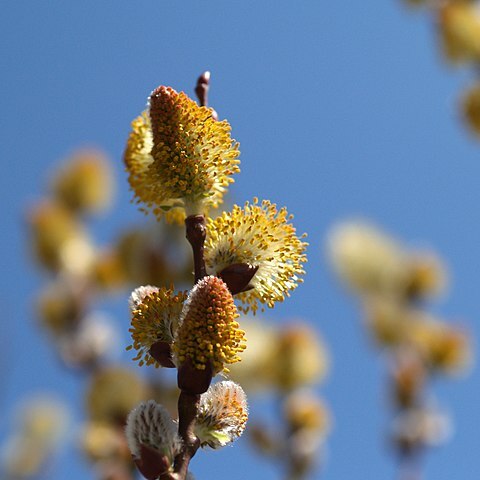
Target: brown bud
237, 277
201, 89
193, 381
151, 463
162, 353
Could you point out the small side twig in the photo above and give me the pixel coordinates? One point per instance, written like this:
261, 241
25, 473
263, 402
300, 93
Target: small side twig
201, 90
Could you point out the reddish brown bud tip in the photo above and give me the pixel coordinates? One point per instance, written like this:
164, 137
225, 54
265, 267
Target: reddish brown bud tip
151, 463
196, 231
162, 353
204, 77
201, 89
238, 276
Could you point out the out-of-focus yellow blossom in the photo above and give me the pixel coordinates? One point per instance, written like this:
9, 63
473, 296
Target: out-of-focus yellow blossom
153, 255
387, 321
443, 347
280, 358
222, 415
367, 260
44, 418
208, 333
103, 441
137, 258
373, 264
408, 375
471, 108
155, 315
304, 410
59, 307
178, 156
260, 236
459, 25
41, 425
108, 271
85, 182
59, 241
308, 423
166, 394
257, 369
112, 394
300, 358
427, 275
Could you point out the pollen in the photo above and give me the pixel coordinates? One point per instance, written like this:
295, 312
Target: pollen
208, 332
261, 236
154, 317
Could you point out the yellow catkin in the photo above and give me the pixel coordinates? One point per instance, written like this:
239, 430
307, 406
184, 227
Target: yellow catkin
261, 236
208, 332
459, 25
179, 157
154, 317
85, 182
471, 109
443, 347
222, 415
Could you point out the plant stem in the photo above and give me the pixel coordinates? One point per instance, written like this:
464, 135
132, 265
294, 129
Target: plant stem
410, 465
188, 402
196, 234
187, 412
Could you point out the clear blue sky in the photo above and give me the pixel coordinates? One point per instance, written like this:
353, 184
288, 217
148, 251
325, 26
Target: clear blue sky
341, 109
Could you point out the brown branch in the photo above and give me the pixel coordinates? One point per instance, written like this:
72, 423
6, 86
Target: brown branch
196, 234
190, 381
410, 467
187, 412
